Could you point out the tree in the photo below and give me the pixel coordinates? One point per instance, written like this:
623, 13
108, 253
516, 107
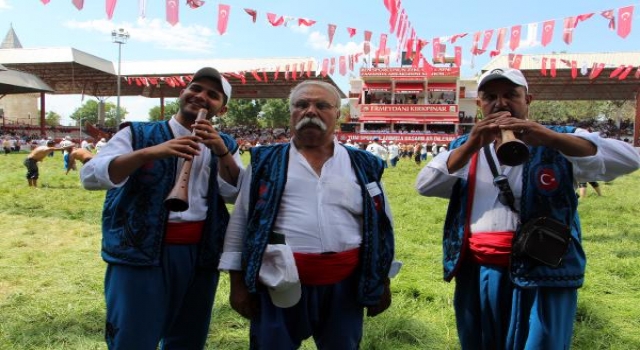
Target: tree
170, 109
52, 118
275, 113
242, 112
88, 112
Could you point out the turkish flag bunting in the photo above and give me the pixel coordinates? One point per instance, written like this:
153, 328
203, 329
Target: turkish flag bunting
110, 6
625, 73
367, 40
553, 67
264, 75
474, 48
79, 4
617, 71
608, 14
547, 32
223, 18
172, 12
275, 75
502, 32
351, 31
309, 65
515, 61
332, 65
596, 70
574, 69
456, 37
255, 75
567, 31
351, 62
167, 80
625, 16
426, 67
331, 30
45, 1
382, 48
343, 65
401, 20
410, 44
252, 13
306, 22
488, 34
393, 17
637, 74
294, 71
583, 17
436, 48
325, 67
286, 72
543, 66
274, 19
458, 56
514, 42
194, 4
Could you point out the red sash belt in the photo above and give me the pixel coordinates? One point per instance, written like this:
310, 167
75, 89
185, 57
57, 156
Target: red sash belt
322, 269
184, 232
491, 248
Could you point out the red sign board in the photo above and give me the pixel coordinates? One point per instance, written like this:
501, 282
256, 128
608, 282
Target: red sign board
397, 137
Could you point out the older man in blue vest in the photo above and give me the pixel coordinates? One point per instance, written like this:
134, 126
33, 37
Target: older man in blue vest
512, 292
310, 243
162, 271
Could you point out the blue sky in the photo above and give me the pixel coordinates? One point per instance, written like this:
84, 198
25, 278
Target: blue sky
60, 24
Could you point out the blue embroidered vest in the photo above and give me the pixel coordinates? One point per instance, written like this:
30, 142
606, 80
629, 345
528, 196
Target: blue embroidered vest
269, 175
134, 217
547, 190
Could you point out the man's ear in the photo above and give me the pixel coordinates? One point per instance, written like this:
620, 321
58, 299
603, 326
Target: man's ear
529, 98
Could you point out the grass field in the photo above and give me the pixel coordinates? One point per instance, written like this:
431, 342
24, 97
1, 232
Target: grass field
51, 272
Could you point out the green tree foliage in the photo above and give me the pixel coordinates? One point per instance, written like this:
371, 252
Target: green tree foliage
242, 112
170, 109
275, 113
89, 112
52, 118
570, 111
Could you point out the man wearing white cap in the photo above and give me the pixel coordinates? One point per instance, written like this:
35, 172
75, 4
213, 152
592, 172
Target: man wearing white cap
517, 224
310, 244
162, 261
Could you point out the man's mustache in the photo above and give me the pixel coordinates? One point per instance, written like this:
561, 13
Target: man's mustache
314, 121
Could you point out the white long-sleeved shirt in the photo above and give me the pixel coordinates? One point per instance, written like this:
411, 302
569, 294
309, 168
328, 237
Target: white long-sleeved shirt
613, 158
94, 175
317, 213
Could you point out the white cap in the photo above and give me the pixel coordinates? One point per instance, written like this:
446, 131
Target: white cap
513, 75
67, 137
280, 275
390, 141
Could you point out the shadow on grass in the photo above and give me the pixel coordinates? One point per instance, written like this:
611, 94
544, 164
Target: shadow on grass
594, 331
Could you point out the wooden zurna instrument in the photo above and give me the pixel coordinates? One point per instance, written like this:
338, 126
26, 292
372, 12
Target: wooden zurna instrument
512, 151
178, 198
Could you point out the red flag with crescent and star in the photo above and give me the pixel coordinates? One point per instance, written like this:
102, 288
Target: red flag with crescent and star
547, 32
172, 12
514, 42
110, 6
194, 4
625, 16
223, 17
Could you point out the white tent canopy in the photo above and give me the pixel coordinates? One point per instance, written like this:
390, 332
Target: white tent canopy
15, 82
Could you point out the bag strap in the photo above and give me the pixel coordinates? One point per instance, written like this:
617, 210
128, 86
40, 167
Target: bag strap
500, 181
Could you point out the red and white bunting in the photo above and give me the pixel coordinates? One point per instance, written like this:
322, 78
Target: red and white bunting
274, 19
110, 6
514, 41
547, 32
331, 31
253, 13
223, 18
172, 12
79, 4
608, 14
625, 17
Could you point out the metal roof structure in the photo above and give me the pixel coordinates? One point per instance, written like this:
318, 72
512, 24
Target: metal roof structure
14, 82
564, 87
70, 71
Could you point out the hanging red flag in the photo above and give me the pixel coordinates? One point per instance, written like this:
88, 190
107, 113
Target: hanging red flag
367, 40
567, 31
547, 32
110, 6
332, 65
514, 42
309, 66
45, 1
596, 70
553, 67
409, 48
625, 16
608, 14
325, 67
274, 20
172, 12
442, 49
515, 61
401, 22
79, 4
331, 30
342, 65
382, 48
543, 66
351, 31
194, 4
625, 73
583, 17
277, 72
502, 32
264, 75
306, 22
255, 75
252, 13
617, 71
488, 34
286, 72
456, 37
223, 18
393, 17
458, 56
637, 74
294, 72
574, 69
436, 49
351, 62
474, 46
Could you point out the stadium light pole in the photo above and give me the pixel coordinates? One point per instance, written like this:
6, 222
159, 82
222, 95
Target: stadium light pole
119, 37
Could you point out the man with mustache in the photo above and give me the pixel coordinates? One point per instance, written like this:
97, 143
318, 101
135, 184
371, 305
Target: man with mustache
310, 243
509, 295
162, 271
